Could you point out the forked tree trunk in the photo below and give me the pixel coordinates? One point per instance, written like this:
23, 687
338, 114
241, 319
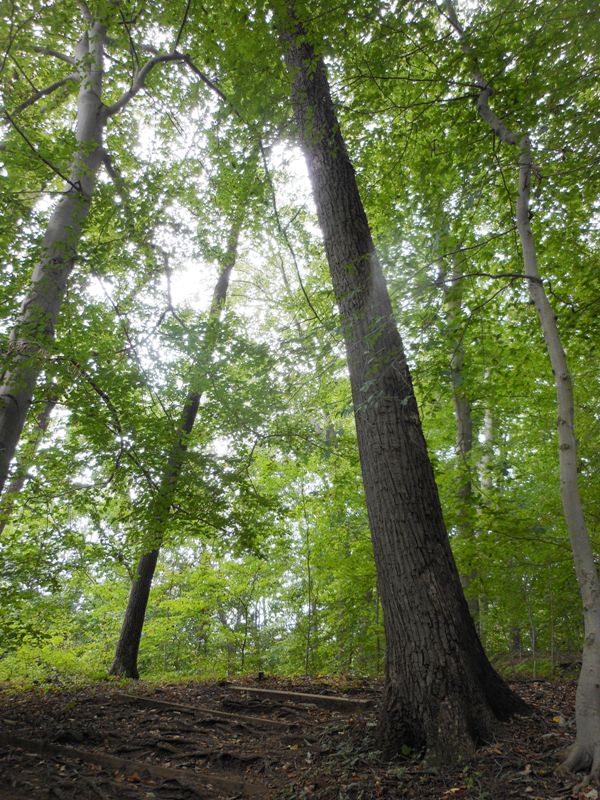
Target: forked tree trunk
441, 693
34, 332
126, 655
585, 753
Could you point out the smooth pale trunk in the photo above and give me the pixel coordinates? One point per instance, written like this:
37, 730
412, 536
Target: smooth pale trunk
585, 753
33, 334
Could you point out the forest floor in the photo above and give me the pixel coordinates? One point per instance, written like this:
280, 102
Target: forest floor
108, 741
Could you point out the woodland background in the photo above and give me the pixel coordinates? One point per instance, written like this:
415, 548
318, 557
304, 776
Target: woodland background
267, 563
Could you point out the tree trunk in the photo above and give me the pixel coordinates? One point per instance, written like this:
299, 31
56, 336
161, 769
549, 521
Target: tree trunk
464, 428
585, 753
26, 460
126, 655
34, 331
440, 693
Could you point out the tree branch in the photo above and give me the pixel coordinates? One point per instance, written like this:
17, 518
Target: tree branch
483, 101
205, 79
139, 81
49, 51
182, 26
76, 186
512, 275
43, 93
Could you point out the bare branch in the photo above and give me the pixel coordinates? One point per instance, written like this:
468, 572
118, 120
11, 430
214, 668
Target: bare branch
43, 93
139, 81
512, 275
49, 51
283, 232
205, 79
182, 26
76, 186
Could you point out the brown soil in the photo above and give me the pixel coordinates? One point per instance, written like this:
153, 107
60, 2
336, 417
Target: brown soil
98, 744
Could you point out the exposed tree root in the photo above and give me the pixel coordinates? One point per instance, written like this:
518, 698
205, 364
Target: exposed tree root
153, 702
582, 758
195, 779
324, 700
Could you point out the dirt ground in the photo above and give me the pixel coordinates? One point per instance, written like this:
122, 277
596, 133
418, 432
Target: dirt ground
190, 741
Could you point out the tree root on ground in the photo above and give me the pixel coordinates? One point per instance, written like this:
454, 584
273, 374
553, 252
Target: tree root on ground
581, 758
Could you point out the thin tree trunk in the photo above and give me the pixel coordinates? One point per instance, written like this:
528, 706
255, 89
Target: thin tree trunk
126, 655
441, 693
309, 587
464, 429
585, 753
26, 460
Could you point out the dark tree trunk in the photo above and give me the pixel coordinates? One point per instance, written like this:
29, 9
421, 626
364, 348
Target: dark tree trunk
441, 693
126, 655
26, 460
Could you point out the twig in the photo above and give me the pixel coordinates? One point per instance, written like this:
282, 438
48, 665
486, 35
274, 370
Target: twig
182, 26
74, 185
283, 232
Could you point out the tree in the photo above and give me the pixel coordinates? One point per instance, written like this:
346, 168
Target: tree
33, 334
585, 753
125, 661
440, 691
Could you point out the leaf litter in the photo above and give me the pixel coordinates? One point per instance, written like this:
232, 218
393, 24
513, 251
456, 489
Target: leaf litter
214, 740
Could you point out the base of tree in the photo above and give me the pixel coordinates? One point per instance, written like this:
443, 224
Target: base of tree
121, 670
447, 731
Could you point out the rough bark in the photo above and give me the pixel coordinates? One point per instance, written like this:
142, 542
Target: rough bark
584, 755
26, 459
441, 693
126, 655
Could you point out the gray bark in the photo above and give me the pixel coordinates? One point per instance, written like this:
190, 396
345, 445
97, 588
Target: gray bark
34, 331
464, 426
33, 335
585, 753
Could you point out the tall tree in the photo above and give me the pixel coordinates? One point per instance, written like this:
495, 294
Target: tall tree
33, 333
585, 753
126, 655
441, 693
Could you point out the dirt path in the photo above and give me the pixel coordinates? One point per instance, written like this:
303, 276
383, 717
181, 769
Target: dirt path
217, 741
